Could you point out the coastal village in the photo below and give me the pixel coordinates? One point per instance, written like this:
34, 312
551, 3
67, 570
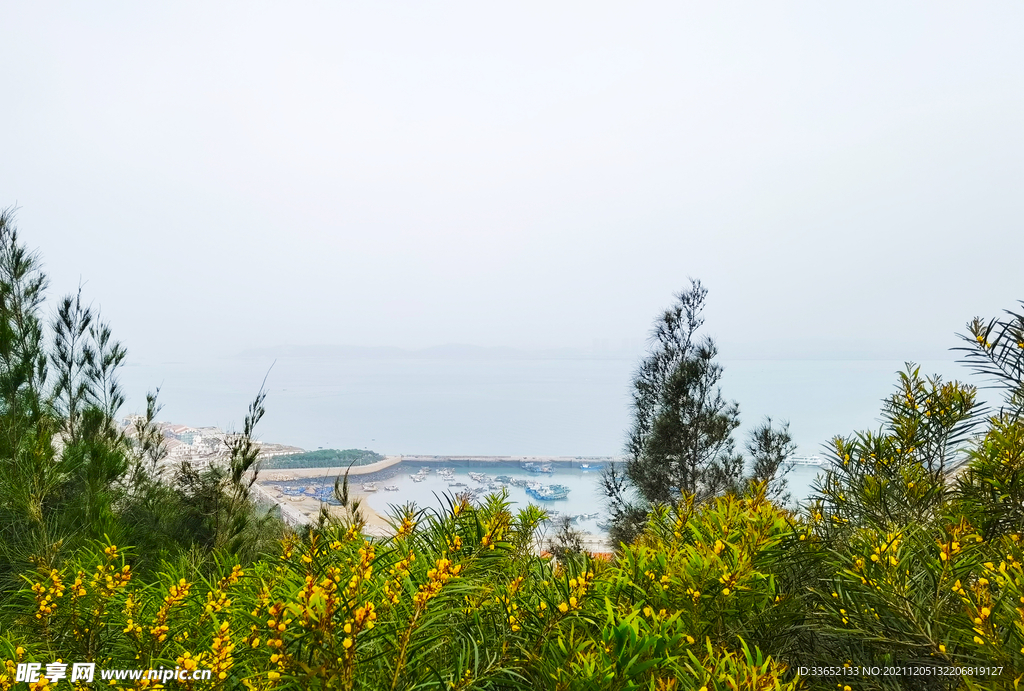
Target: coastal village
201, 445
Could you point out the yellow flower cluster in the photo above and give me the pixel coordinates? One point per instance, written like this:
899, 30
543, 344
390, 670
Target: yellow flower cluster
663, 581
131, 606
10, 669
217, 599
510, 606
364, 618
47, 595
108, 579
728, 581
221, 650
189, 662
578, 588
407, 527
288, 546
443, 572
494, 530
399, 571
677, 529
363, 570
175, 595
78, 587
886, 553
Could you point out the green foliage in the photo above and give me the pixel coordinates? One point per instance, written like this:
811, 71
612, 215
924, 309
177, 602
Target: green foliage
899, 475
324, 458
68, 474
456, 598
681, 439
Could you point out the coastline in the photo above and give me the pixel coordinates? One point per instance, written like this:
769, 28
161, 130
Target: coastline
302, 510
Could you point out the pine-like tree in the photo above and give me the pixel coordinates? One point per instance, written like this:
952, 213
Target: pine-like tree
681, 440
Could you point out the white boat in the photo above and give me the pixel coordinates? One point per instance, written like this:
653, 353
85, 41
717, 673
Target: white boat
807, 460
391, 488
369, 487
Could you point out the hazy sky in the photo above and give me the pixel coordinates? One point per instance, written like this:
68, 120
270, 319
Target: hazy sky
846, 180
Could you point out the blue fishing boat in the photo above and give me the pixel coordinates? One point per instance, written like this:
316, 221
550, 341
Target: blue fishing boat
547, 492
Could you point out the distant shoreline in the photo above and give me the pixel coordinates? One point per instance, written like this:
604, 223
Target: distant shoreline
509, 459
280, 474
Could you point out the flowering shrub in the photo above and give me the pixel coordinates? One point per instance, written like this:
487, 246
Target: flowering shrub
455, 599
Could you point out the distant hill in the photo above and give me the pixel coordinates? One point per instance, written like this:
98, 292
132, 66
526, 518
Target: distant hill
451, 351
324, 458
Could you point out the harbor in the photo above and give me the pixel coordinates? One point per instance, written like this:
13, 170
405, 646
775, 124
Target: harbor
562, 487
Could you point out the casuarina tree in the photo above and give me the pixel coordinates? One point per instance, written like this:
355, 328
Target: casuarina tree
681, 440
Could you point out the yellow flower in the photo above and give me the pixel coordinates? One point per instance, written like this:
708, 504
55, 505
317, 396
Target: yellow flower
347, 643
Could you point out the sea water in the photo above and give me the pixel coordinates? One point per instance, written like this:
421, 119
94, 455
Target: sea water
503, 407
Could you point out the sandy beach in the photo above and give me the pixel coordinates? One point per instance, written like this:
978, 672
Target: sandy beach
299, 510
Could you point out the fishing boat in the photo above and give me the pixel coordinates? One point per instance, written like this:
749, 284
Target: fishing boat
548, 492
536, 467
591, 466
807, 460
391, 488
369, 487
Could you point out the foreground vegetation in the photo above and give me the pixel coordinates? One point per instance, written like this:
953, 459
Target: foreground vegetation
904, 572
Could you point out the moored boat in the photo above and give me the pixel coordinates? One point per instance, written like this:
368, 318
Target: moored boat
547, 492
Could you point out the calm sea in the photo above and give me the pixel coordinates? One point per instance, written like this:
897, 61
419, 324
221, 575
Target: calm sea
500, 407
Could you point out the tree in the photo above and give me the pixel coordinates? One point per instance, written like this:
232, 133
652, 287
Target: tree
991, 488
769, 448
567, 541
69, 474
681, 440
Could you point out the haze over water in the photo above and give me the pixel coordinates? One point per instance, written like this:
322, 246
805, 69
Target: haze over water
556, 407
